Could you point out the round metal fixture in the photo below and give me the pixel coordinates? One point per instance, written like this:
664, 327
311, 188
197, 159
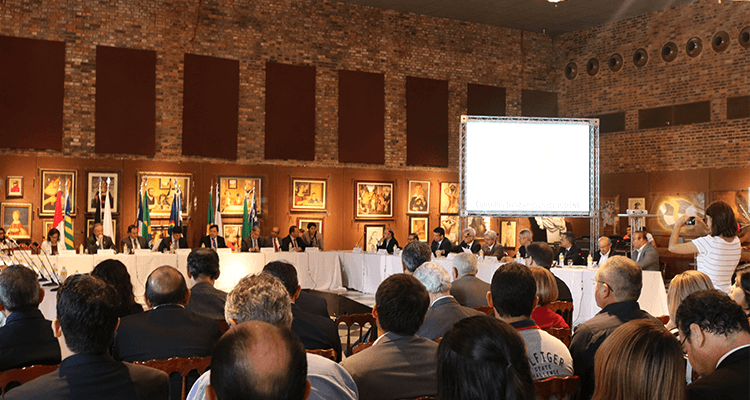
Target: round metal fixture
615, 62
640, 57
592, 67
744, 37
720, 41
694, 46
669, 52
571, 70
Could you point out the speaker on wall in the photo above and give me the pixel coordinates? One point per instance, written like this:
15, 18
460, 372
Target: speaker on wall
640, 57
694, 46
592, 67
744, 37
571, 70
720, 41
669, 52
615, 62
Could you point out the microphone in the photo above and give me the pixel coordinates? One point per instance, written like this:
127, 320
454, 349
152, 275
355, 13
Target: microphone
52, 273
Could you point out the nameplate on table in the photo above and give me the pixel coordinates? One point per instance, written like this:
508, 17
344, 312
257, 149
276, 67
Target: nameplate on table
105, 252
181, 252
490, 259
142, 252
382, 251
66, 253
267, 250
312, 250
225, 250
357, 250
451, 256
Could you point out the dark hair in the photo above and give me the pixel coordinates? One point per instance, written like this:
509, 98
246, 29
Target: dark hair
52, 232
723, 222
743, 272
713, 311
541, 253
165, 285
2, 230
131, 227
570, 237
234, 376
401, 302
292, 228
482, 357
285, 272
213, 226
116, 274
177, 229
311, 224
203, 262
19, 289
415, 254
513, 290
86, 309
439, 230
416, 235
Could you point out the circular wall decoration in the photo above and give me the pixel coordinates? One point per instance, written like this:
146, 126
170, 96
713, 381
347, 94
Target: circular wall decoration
744, 37
640, 57
592, 67
669, 52
720, 41
694, 46
615, 62
571, 70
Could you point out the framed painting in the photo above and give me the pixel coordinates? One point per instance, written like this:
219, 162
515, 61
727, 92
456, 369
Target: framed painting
738, 200
450, 224
14, 187
480, 224
47, 225
419, 197
233, 235
637, 203
373, 234
232, 191
50, 180
508, 234
303, 221
420, 226
90, 226
92, 190
16, 220
668, 208
308, 194
160, 189
373, 200
609, 207
449, 192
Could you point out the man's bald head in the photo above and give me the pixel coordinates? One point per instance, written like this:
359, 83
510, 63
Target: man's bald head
257, 360
624, 277
166, 285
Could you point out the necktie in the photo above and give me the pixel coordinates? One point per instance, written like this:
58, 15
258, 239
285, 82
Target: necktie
275, 244
294, 245
133, 245
255, 243
213, 243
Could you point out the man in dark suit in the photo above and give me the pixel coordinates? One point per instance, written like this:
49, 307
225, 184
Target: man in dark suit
254, 242
176, 238
644, 253
525, 238
273, 239
293, 242
167, 329
444, 310
468, 244
440, 242
605, 250
716, 338
97, 240
388, 243
570, 251
491, 247
86, 322
467, 289
205, 299
26, 338
213, 240
540, 255
312, 304
133, 241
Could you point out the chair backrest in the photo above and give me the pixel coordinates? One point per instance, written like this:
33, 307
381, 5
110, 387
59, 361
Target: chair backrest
555, 385
223, 325
423, 398
179, 364
356, 349
564, 334
23, 375
564, 309
486, 309
664, 319
361, 320
327, 353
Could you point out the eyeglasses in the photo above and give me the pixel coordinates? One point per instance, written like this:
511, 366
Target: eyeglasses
682, 347
603, 283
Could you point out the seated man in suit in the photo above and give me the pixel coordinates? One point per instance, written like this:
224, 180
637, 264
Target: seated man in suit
86, 321
525, 238
440, 245
399, 365
491, 247
26, 338
540, 255
467, 289
312, 237
176, 238
293, 242
97, 240
273, 239
254, 242
167, 329
644, 253
414, 255
413, 237
388, 242
203, 270
716, 339
129, 244
468, 244
213, 240
570, 251
605, 250
444, 310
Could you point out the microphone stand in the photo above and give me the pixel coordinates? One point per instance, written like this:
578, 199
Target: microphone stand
48, 270
27, 259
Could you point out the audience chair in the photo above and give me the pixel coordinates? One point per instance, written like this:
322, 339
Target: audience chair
181, 365
223, 325
361, 320
486, 309
564, 309
356, 349
564, 334
664, 319
423, 398
327, 353
23, 375
560, 387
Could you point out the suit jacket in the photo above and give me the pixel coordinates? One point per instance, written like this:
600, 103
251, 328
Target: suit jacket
166, 243
728, 381
497, 251
598, 255
312, 304
94, 377
475, 247
445, 246
247, 243
313, 242
206, 241
27, 339
316, 332
441, 316
395, 367
207, 301
389, 245
470, 291
92, 246
649, 259
574, 253
286, 243
126, 241
269, 242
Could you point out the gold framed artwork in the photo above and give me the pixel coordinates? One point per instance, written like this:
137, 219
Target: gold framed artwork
308, 194
508, 233
419, 197
373, 234
738, 200
480, 224
90, 225
669, 208
303, 221
92, 189
637, 203
47, 226
449, 192
16, 220
160, 192
450, 224
232, 191
233, 235
608, 210
13, 187
50, 180
420, 226
373, 200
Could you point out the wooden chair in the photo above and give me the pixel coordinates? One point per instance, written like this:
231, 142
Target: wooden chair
564, 334
486, 309
181, 365
223, 325
23, 375
423, 398
327, 353
564, 309
361, 320
356, 349
558, 386
438, 340
664, 319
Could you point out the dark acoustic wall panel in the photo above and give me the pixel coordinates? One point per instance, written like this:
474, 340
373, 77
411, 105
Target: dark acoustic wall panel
290, 112
210, 107
692, 113
738, 107
658, 117
125, 101
32, 76
426, 122
361, 117
613, 122
485, 100
537, 103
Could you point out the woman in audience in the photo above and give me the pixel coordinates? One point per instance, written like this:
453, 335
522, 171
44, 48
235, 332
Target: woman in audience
482, 357
719, 251
740, 290
640, 360
116, 274
681, 286
50, 246
546, 292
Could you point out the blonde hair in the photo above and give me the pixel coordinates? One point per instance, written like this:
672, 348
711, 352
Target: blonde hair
639, 360
546, 285
682, 285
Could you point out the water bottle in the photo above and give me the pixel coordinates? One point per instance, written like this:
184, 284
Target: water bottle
63, 274
589, 261
561, 260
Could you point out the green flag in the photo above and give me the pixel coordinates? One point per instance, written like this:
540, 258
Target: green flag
245, 219
210, 210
